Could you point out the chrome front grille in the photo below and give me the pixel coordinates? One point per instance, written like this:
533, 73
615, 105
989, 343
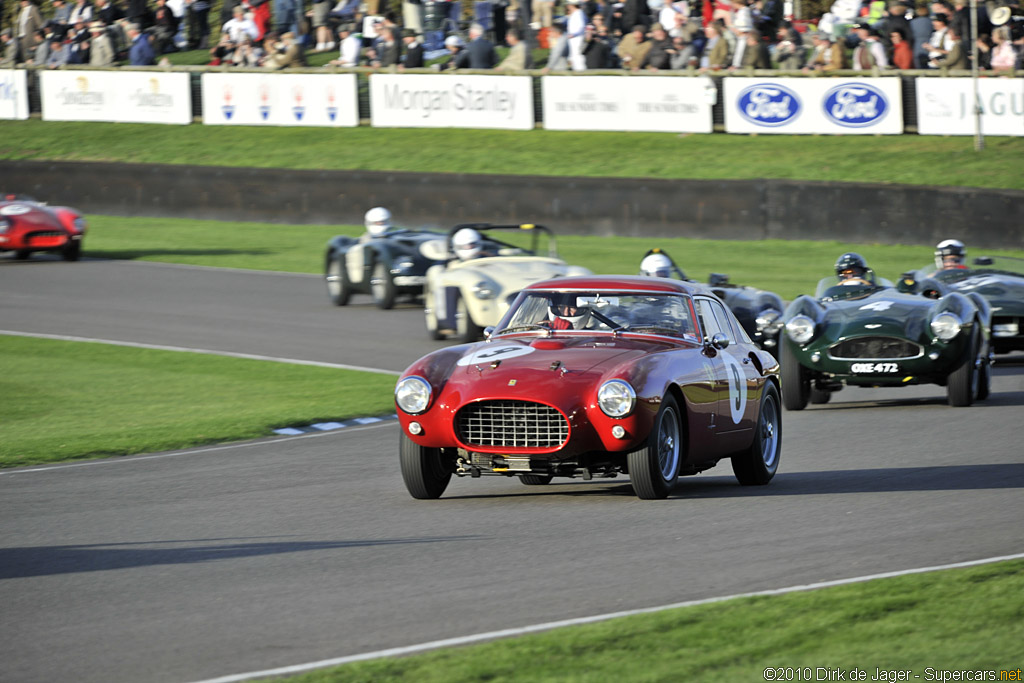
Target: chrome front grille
511, 424
45, 233
875, 348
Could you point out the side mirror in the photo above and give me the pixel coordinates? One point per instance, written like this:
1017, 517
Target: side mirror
720, 341
488, 331
983, 261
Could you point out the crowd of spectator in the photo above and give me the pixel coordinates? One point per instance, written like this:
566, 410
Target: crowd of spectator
579, 35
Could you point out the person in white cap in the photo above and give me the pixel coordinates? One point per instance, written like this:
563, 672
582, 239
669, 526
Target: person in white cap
454, 46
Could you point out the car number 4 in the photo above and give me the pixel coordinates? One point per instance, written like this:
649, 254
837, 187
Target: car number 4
880, 368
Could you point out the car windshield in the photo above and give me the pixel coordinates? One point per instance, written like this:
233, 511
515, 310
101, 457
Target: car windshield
984, 265
663, 314
829, 289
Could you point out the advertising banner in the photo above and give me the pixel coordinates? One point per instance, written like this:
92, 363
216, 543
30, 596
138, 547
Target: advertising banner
944, 106
451, 101
13, 94
122, 96
628, 103
837, 106
276, 99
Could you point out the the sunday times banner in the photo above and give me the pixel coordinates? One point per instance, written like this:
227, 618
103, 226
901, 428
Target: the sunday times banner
628, 103
13, 94
451, 101
827, 106
122, 96
276, 99
944, 106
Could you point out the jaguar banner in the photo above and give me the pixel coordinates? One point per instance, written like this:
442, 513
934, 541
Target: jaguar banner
944, 106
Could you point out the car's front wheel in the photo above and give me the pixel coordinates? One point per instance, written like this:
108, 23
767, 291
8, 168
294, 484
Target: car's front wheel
423, 470
72, 251
796, 385
382, 286
757, 465
962, 384
339, 289
653, 469
22, 254
467, 330
430, 316
535, 479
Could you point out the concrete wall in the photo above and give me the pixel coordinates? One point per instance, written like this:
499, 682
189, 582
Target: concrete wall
740, 209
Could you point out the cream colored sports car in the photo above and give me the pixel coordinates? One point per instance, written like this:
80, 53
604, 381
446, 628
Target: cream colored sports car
466, 295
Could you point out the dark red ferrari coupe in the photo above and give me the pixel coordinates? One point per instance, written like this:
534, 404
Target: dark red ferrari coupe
27, 226
595, 376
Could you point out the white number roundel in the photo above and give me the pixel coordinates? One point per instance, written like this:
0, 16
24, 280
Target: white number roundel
737, 387
489, 354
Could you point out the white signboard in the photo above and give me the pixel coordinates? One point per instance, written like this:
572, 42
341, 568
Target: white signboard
839, 106
628, 103
13, 94
451, 101
944, 106
276, 99
122, 96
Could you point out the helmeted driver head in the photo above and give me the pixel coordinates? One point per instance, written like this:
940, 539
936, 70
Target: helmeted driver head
378, 220
851, 266
467, 244
566, 313
950, 254
656, 265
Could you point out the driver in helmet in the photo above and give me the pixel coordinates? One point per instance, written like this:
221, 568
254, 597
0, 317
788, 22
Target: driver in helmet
378, 222
468, 244
659, 264
852, 269
567, 314
950, 255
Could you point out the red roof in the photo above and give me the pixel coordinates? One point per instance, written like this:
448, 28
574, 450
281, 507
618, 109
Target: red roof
618, 282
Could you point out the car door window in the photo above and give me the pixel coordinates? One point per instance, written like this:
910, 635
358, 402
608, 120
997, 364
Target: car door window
722, 318
708, 322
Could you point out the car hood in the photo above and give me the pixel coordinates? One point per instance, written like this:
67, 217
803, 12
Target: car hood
885, 313
29, 217
1004, 291
515, 273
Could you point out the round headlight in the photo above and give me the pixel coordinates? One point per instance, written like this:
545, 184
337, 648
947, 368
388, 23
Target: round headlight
484, 290
946, 325
4, 224
616, 398
800, 329
766, 319
80, 225
412, 395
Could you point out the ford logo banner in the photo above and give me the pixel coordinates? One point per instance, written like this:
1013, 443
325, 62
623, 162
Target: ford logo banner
768, 104
855, 105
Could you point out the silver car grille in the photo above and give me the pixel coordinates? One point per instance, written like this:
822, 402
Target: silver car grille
875, 348
511, 424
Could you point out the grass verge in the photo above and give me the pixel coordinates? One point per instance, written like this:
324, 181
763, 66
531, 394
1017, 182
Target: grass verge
906, 159
69, 400
786, 267
958, 620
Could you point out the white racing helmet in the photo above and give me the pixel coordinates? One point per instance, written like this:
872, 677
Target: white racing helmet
656, 265
953, 249
378, 220
560, 310
467, 244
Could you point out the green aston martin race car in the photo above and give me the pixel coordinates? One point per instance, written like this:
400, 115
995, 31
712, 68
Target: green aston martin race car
863, 331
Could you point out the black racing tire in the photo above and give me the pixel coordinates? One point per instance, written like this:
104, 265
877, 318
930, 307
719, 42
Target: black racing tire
382, 286
339, 288
423, 470
430, 316
535, 479
465, 329
654, 468
796, 385
962, 383
757, 465
984, 380
22, 254
72, 251
819, 397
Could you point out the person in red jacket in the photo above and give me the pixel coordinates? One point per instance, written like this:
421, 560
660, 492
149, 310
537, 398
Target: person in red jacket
902, 54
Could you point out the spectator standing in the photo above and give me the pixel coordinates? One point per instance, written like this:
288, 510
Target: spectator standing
81, 13
828, 55
413, 58
350, 47
108, 13
138, 13
59, 53
558, 54
165, 26
29, 21
635, 12
240, 25
659, 54
455, 49
41, 49
920, 31
386, 51
755, 52
9, 56
896, 20
869, 53
955, 57
596, 50
286, 16
671, 13
197, 14
902, 56
1004, 52
480, 53
575, 25
543, 12
789, 52
519, 57
288, 53
61, 17
716, 50
101, 49
683, 54
633, 48
412, 15
321, 31
140, 53
940, 42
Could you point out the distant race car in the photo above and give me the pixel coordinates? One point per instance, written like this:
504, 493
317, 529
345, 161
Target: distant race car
27, 225
997, 279
758, 310
595, 376
385, 266
868, 333
465, 295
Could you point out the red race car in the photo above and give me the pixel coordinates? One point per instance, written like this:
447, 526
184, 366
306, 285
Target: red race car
27, 225
595, 376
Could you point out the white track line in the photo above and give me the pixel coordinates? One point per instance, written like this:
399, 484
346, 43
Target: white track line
507, 633
126, 459
209, 352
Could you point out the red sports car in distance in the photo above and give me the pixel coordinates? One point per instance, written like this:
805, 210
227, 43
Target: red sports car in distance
595, 376
27, 226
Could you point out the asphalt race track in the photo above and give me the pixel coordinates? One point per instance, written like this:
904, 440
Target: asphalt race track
225, 560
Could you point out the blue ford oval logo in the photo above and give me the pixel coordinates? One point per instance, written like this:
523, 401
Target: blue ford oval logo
768, 104
855, 105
